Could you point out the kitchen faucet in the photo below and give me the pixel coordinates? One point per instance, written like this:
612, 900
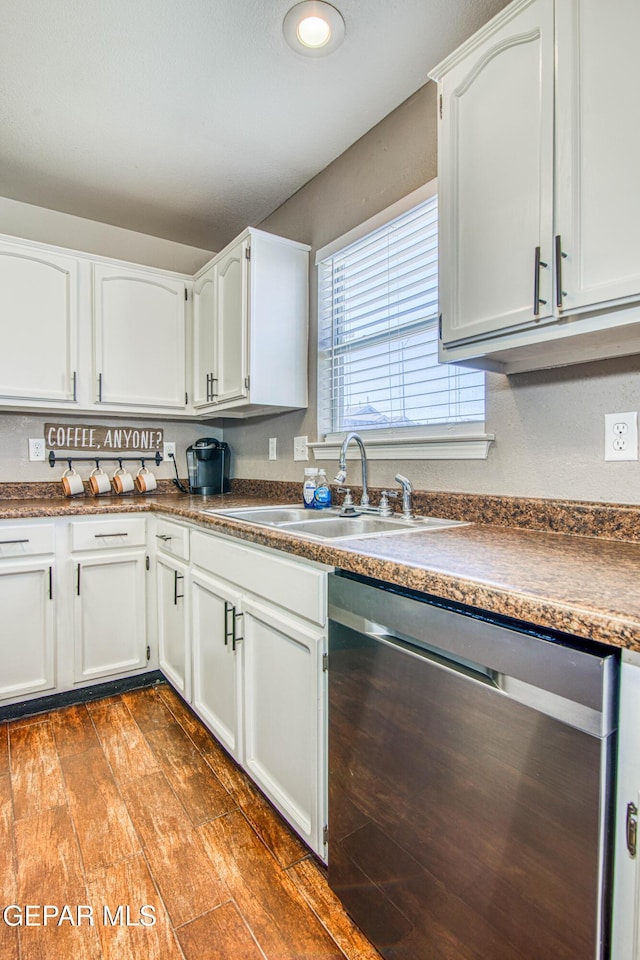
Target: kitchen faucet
341, 475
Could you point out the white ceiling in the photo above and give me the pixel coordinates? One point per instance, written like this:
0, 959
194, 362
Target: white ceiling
191, 119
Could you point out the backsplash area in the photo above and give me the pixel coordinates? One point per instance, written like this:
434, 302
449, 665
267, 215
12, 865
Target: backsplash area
578, 518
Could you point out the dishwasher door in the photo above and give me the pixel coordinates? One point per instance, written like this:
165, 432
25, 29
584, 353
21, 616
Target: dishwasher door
468, 782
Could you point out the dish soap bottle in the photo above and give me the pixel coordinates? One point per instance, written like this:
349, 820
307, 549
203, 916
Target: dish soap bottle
309, 487
322, 492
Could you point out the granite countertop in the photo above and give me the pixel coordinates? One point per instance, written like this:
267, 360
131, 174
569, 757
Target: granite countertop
585, 586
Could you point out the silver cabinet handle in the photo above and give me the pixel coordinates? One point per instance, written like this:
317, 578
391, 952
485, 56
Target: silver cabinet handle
228, 607
234, 636
163, 536
632, 829
103, 535
560, 256
99, 388
537, 300
177, 596
3, 542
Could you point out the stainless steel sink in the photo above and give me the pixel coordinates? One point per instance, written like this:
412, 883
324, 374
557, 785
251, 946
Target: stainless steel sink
344, 528
329, 525
269, 516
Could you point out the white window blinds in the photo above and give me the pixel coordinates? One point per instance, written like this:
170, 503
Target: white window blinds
378, 333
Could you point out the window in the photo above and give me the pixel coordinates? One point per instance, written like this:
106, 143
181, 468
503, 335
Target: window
378, 330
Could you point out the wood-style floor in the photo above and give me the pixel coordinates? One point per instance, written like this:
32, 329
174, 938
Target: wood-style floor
130, 802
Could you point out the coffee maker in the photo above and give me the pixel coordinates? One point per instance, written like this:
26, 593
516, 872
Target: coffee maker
208, 466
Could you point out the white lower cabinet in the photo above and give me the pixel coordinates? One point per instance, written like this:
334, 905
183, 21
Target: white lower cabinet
173, 648
28, 606
626, 885
259, 627
283, 713
28, 628
217, 659
109, 570
110, 615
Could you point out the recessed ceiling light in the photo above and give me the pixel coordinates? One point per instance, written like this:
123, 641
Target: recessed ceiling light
313, 28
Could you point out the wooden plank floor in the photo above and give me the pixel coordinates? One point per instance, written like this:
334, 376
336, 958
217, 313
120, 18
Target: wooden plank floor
125, 810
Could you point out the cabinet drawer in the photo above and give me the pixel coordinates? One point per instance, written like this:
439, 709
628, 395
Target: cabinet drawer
107, 534
291, 584
26, 540
172, 538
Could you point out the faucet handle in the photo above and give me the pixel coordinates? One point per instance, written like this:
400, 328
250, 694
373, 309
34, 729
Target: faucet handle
384, 510
348, 506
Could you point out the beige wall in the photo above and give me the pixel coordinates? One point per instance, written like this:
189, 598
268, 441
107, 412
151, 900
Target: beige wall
30, 222
549, 425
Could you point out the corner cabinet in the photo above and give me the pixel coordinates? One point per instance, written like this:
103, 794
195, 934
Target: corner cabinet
539, 246
139, 337
39, 306
250, 310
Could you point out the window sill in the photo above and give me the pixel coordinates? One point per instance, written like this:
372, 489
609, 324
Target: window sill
467, 446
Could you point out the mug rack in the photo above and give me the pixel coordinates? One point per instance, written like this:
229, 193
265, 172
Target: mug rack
157, 458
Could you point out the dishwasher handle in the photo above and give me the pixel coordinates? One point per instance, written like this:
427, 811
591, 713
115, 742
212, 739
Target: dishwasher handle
577, 715
463, 668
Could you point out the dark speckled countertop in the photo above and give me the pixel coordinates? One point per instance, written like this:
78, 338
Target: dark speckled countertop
581, 585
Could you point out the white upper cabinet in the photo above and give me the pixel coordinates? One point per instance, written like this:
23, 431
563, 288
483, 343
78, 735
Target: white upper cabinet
139, 332
231, 290
496, 191
38, 305
251, 327
597, 148
540, 249
203, 338
112, 337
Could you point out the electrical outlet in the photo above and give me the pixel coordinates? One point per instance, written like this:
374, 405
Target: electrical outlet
621, 436
36, 449
300, 449
168, 448
273, 448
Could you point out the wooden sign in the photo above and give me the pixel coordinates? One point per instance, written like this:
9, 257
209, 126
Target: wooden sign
58, 436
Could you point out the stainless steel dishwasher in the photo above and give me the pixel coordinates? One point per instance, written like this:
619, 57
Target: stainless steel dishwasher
469, 769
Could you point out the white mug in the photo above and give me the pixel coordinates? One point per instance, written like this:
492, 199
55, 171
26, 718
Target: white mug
72, 483
99, 482
122, 481
145, 481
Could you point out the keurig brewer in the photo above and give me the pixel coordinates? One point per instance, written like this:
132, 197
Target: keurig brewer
208, 466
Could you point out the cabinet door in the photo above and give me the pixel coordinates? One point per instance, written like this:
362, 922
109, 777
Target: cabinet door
38, 303
203, 339
626, 883
110, 615
139, 338
598, 144
284, 716
232, 319
173, 648
496, 178
27, 637
217, 666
